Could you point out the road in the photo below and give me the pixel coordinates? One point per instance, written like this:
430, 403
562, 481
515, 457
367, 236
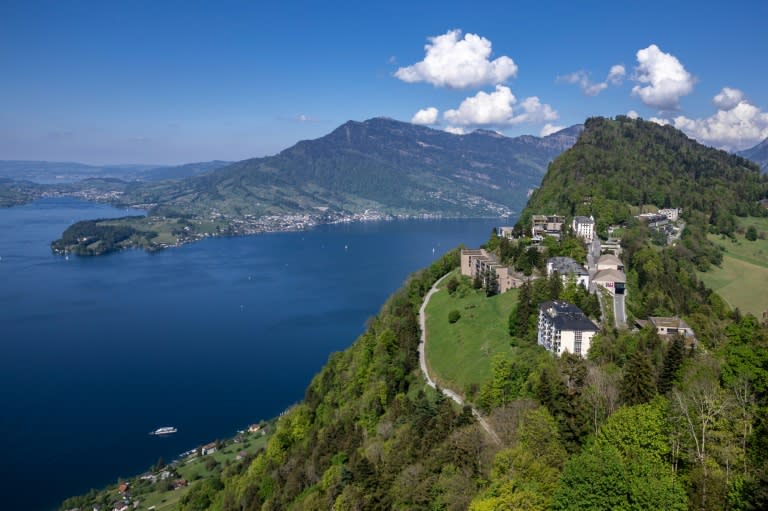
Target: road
425, 371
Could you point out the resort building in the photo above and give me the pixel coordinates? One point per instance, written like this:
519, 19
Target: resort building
653, 220
480, 262
584, 227
547, 225
563, 327
565, 267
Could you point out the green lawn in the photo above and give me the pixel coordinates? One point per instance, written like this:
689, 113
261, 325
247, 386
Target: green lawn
460, 354
742, 279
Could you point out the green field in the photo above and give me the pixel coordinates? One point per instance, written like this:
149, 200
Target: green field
460, 354
742, 279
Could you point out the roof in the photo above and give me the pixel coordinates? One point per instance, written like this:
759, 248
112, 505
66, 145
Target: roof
609, 259
565, 316
566, 265
609, 276
211, 445
583, 220
673, 322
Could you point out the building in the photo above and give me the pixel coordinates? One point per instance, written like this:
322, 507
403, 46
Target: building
666, 326
563, 327
672, 214
609, 262
481, 262
584, 227
565, 267
547, 225
208, 449
653, 220
254, 428
613, 280
506, 232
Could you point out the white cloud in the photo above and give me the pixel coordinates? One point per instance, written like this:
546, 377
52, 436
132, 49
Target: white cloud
728, 98
666, 78
581, 78
455, 130
548, 129
458, 63
632, 114
659, 121
616, 74
499, 108
737, 124
425, 116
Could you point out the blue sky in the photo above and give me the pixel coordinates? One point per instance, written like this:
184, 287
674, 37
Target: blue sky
174, 82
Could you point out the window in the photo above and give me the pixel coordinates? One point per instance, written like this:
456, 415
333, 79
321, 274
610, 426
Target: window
577, 342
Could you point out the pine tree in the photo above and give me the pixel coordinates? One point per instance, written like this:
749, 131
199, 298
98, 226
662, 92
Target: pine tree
638, 385
672, 362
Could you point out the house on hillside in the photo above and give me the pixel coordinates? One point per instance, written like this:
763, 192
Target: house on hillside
547, 225
506, 232
653, 220
564, 328
208, 449
565, 267
584, 227
672, 214
668, 326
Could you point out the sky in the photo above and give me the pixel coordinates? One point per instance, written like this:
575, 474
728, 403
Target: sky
164, 82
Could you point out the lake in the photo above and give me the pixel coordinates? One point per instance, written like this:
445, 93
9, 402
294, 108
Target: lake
208, 337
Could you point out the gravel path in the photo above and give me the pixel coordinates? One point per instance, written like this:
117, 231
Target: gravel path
425, 371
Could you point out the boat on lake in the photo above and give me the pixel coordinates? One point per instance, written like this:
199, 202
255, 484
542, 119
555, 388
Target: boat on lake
167, 430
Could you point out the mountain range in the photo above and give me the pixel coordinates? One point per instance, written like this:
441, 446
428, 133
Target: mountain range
758, 154
380, 164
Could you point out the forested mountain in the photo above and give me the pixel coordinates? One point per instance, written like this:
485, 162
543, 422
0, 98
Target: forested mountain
631, 162
758, 154
380, 164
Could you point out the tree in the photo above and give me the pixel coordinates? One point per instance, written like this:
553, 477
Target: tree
454, 316
672, 362
639, 383
452, 285
751, 234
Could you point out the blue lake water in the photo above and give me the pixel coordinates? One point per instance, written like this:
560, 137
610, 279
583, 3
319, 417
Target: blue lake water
208, 337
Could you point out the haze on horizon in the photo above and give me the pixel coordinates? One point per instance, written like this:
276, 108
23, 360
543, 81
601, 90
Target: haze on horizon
166, 83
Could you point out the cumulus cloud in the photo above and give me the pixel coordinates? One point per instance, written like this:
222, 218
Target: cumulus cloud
581, 78
455, 130
425, 116
548, 129
737, 124
665, 77
659, 121
499, 108
458, 63
728, 98
632, 114
616, 74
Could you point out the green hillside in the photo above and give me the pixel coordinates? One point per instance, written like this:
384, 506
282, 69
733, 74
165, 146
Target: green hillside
631, 162
644, 422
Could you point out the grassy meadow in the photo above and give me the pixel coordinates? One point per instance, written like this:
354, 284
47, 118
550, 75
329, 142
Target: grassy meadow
742, 279
459, 354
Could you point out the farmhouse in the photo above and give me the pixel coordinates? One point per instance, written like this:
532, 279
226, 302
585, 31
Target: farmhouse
565, 267
584, 227
563, 327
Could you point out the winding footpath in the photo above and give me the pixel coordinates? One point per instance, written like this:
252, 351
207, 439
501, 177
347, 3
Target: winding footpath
425, 371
